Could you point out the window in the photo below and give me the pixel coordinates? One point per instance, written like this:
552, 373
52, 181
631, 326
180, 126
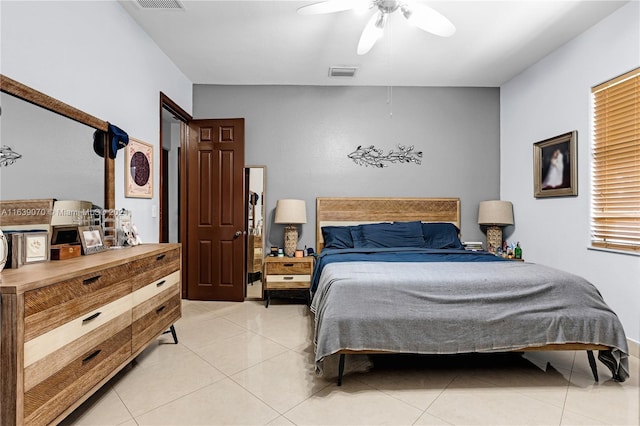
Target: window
615, 203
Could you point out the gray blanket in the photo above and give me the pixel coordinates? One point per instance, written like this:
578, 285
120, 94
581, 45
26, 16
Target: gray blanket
460, 307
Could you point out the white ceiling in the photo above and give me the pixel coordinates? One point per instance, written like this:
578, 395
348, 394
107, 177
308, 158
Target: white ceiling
267, 42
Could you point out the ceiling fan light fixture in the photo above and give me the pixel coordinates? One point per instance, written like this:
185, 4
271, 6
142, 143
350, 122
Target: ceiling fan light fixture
418, 14
331, 6
372, 32
428, 19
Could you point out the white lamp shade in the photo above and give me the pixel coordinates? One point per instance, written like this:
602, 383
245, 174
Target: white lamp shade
291, 211
495, 212
70, 212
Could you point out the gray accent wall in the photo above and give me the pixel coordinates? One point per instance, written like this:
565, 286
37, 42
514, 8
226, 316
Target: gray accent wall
304, 133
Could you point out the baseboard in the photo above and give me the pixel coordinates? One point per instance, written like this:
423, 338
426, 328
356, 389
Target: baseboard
634, 348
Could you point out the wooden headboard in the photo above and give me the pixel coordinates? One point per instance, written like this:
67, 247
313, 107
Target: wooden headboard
345, 211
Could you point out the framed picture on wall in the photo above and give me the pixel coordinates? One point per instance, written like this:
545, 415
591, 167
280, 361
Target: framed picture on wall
555, 166
138, 170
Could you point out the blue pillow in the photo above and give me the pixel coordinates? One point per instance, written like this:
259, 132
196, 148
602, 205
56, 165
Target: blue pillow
441, 236
398, 234
337, 237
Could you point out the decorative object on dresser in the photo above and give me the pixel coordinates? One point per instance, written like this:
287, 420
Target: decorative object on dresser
35, 247
68, 327
92, 239
65, 251
4, 250
283, 273
555, 166
291, 213
67, 215
494, 214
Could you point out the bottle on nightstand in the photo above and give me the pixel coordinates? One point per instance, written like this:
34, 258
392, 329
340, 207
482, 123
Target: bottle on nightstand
517, 251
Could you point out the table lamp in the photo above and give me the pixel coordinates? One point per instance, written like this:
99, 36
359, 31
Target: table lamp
494, 214
291, 212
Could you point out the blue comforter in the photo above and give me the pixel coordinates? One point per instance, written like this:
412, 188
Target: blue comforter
397, 254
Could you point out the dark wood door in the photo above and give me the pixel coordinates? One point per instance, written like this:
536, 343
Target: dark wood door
215, 210
164, 206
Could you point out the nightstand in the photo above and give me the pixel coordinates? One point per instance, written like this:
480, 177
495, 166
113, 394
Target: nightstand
287, 273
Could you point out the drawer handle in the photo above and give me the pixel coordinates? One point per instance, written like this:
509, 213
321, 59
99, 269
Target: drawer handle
91, 280
92, 317
160, 257
288, 264
287, 278
161, 283
92, 356
160, 309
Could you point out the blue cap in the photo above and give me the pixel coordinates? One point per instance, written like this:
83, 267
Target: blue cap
119, 139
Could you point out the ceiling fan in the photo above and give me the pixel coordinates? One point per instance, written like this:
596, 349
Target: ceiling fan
418, 14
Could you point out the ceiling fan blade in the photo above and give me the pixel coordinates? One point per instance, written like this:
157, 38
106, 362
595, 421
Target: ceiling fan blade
372, 32
330, 6
428, 19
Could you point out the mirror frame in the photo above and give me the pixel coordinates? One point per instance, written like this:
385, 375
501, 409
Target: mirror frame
42, 100
264, 222
264, 191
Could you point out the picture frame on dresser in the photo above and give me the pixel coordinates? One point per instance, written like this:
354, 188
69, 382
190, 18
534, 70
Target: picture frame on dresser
35, 247
555, 166
92, 239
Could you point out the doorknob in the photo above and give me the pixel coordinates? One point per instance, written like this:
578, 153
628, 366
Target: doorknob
237, 234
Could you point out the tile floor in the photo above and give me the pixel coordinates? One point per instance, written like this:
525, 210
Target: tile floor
242, 364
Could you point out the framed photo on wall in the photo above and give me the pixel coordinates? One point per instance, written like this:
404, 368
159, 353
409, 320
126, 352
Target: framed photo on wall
555, 166
138, 170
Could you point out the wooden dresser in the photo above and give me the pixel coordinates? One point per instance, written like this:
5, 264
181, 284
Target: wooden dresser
68, 326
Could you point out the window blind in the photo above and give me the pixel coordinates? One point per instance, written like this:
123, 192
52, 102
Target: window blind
615, 201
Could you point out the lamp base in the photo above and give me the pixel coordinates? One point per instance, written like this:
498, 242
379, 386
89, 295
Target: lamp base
494, 238
290, 240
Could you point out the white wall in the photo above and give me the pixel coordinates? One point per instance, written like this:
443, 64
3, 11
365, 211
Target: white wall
93, 56
550, 98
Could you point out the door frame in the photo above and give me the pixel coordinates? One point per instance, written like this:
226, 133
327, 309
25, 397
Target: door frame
184, 117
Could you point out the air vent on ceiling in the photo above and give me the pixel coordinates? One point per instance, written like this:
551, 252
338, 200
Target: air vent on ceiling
160, 4
342, 71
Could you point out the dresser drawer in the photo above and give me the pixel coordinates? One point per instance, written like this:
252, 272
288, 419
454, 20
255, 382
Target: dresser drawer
288, 268
45, 401
42, 360
153, 316
62, 337
287, 281
153, 268
49, 307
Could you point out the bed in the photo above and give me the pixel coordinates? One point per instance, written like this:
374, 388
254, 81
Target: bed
392, 277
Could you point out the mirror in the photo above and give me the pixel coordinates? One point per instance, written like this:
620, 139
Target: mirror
255, 177
56, 144
57, 160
